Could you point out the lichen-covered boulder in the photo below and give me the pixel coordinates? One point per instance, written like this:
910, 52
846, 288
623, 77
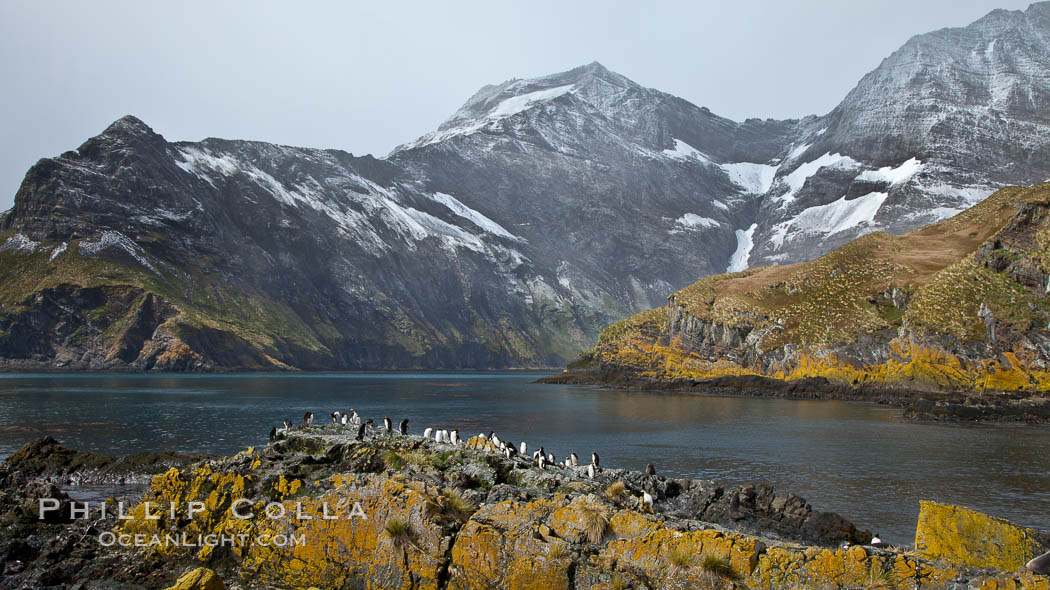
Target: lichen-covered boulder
201, 578
966, 537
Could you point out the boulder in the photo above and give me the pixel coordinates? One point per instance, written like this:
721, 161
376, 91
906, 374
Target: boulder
201, 578
966, 537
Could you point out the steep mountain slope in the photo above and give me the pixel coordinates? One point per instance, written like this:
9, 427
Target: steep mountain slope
940, 124
134, 251
961, 304
593, 168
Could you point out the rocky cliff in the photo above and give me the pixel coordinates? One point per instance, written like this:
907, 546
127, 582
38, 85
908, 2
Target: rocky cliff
960, 305
404, 512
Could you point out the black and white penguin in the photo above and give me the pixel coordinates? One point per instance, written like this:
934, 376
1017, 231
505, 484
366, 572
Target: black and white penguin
287, 425
575, 460
426, 432
594, 460
308, 419
650, 470
344, 419
877, 542
454, 437
388, 424
647, 501
524, 449
403, 427
551, 459
361, 429
590, 471
542, 462
354, 418
273, 434
335, 417
495, 440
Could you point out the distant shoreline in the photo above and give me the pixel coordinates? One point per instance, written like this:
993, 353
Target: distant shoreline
918, 405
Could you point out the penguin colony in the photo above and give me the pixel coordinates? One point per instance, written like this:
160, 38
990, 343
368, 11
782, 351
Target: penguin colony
540, 458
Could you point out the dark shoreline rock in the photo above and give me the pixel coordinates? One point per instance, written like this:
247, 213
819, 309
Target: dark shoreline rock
918, 405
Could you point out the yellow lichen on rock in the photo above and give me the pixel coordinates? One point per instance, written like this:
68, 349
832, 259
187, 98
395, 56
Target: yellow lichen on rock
966, 537
200, 578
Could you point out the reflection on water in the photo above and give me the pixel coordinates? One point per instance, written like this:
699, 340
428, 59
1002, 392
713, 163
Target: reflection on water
856, 459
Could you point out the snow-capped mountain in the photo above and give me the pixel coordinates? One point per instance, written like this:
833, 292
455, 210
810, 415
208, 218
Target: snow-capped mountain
939, 125
541, 211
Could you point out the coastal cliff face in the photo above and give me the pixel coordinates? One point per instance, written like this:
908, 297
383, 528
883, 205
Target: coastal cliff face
402, 512
960, 305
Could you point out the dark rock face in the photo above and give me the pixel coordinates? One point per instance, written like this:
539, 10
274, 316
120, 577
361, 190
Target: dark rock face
540, 212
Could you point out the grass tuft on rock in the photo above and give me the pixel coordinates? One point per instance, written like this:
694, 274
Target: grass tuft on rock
397, 531
595, 520
718, 567
616, 490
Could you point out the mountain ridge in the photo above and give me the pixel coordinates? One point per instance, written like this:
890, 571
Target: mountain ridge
539, 212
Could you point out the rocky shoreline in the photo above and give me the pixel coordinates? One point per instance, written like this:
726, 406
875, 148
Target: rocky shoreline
442, 516
920, 405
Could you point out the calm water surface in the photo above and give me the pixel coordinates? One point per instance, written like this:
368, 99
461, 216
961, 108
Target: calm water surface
859, 460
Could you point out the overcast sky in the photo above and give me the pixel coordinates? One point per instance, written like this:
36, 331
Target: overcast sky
365, 77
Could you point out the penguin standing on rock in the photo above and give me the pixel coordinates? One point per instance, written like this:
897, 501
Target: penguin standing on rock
361, 429
543, 462
594, 460
590, 471
647, 502
287, 425
404, 426
355, 420
335, 417
343, 419
308, 419
426, 433
273, 434
575, 460
388, 424
524, 449
650, 470
455, 437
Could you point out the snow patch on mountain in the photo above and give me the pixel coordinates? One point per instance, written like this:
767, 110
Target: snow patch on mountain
517, 104
893, 175
58, 250
839, 215
797, 178
744, 243
684, 151
21, 244
693, 222
755, 179
116, 241
473, 216
198, 161
506, 108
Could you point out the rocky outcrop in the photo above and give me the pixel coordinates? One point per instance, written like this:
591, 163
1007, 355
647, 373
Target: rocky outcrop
200, 578
401, 512
968, 538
